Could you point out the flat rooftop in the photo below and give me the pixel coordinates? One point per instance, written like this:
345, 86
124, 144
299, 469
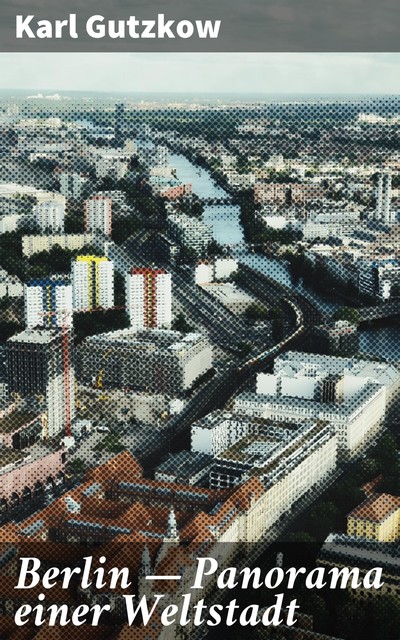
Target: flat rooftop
15, 420
37, 336
252, 449
11, 189
325, 410
184, 463
276, 451
228, 292
10, 456
312, 364
154, 338
219, 416
339, 547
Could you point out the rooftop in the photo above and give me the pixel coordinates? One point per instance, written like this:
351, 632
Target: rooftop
54, 280
377, 508
15, 420
9, 456
316, 408
186, 221
361, 553
338, 326
11, 189
381, 372
38, 336
275, 446
184, 463
228, 292
155, 338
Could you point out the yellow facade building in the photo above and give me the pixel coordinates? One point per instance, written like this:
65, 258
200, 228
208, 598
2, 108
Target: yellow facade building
377, 518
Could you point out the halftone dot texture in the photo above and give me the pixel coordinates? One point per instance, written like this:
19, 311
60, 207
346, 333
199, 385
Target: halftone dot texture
199, 324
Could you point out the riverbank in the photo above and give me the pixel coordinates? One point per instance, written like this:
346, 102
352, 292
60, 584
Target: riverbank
379, 341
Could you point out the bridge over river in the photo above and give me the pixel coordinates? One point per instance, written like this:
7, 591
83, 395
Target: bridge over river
221, 201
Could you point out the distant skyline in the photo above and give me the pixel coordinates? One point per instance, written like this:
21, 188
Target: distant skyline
247, 73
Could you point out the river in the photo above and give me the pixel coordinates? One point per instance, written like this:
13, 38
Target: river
383, 342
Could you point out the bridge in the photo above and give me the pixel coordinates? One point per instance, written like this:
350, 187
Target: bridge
380, 312
226, 200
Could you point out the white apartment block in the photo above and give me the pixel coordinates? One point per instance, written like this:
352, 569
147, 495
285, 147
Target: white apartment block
240, 181
11, 222
163, 172
71, 185
11, 190
48, 303
228, 161
50, 216
161, 155
113, 166
149, 299
112, 162
189, 231
219, 430
305, 473
130, 147
98, 215
117, 196
92, 283
10, 286
383, 209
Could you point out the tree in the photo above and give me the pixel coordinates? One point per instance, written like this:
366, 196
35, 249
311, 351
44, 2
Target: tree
8, 329
346, 494
351, 619
386, 616
323, 519
300, 544
351, 314
99, 321
180, 324
187, 255
386, 450
77, 467
256, 311
244, 349
370, 468
124, 228
215, 249
197, 209
74, 223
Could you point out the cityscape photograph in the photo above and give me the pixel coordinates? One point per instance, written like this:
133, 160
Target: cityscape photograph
199, 346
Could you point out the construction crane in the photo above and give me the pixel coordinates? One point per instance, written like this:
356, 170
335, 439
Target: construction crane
65, 314
99, 379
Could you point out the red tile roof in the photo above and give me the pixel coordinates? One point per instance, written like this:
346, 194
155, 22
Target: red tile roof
377, 508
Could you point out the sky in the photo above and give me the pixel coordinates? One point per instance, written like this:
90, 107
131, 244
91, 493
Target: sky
267, 73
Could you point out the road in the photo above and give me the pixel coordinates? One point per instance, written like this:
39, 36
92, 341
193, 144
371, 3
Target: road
221, 325
232, 378
218, 322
